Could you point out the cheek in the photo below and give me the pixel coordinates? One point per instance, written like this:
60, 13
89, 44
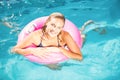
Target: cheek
58, 31
48, 28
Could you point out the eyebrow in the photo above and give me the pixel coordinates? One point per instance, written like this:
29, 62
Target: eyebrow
53, 24
56, 26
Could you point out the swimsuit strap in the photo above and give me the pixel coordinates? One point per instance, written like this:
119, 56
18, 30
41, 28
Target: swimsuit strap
40, 45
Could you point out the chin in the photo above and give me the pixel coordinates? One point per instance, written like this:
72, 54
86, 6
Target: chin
53, 35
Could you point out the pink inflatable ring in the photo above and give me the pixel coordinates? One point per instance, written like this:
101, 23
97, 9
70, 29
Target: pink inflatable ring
54, 57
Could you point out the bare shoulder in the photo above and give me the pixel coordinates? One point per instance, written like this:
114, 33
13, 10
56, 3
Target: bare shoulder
64, 33
37, 33
36, 36
65, 36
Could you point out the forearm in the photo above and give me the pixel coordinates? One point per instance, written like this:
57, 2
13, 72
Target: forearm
21, 51
35, 51
70, 54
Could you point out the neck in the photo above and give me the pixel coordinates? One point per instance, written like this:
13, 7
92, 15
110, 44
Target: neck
49, 37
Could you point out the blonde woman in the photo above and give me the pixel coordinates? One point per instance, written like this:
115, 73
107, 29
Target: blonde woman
50, 37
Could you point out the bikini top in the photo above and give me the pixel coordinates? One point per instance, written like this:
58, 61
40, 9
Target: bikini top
41, 45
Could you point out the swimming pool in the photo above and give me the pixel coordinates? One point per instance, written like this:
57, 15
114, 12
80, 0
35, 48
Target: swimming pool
101, 50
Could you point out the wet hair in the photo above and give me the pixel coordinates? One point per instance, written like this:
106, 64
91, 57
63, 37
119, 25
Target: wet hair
53, 15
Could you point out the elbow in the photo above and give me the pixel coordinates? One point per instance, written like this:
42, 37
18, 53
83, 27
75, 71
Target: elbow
81, 58
14, 50
78, 57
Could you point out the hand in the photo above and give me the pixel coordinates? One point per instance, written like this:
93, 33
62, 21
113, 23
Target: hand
39, 52
43, 52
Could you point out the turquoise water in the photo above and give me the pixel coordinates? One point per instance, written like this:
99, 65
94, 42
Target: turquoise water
101, 50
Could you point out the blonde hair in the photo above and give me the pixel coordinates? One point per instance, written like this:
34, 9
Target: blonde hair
53, 15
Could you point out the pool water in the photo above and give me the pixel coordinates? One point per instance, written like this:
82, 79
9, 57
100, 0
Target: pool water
101, 50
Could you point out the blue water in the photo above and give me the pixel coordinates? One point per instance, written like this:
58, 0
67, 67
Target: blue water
101, 50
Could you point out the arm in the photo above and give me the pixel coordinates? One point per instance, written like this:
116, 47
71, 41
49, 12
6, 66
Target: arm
74, 51
20, 47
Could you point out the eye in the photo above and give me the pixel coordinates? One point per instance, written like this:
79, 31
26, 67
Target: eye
53, 25
59, 27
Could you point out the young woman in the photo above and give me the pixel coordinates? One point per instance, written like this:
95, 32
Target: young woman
50, 37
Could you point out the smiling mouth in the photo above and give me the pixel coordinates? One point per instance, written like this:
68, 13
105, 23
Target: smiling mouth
53, 32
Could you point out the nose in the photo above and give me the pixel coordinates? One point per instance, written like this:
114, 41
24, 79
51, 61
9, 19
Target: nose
54, 28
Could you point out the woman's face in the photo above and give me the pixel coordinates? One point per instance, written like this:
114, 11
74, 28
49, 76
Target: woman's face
54, 26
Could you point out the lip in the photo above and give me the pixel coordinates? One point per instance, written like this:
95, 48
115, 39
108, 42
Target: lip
52, 32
